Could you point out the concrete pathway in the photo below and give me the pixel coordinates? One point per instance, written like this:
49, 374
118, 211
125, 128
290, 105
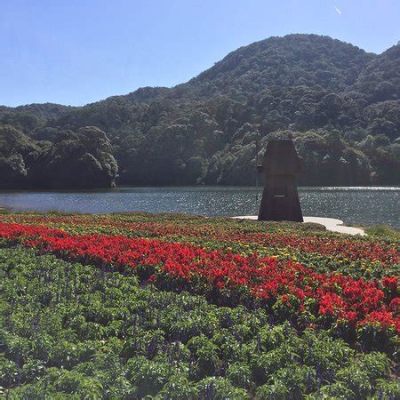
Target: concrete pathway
331, 224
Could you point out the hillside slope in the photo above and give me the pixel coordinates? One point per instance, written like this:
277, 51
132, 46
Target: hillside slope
341, 104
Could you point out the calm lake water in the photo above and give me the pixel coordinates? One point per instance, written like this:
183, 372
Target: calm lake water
354, 205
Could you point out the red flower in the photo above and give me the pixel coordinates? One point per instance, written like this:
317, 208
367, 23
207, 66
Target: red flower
390, 282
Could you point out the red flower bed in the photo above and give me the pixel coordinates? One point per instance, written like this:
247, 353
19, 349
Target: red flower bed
329, 297
348, 248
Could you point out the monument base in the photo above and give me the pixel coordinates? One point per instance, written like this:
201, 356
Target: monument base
280, 200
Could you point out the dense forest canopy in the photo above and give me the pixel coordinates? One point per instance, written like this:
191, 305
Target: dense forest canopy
340, 104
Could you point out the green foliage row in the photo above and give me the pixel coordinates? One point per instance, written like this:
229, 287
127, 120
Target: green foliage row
384, 232
69, 331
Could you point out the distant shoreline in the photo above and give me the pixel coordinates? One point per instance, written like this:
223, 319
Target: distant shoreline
168, 187
356, 206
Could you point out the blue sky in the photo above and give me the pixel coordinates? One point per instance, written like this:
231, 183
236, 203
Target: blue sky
79, 51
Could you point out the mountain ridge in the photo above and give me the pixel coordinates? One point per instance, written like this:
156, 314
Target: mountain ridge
340, 103
142, 89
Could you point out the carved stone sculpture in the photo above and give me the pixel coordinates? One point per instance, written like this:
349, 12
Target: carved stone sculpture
280, 200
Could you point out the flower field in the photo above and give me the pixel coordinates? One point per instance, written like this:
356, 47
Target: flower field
322, 292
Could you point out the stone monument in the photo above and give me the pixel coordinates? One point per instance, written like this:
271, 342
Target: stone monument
280, 200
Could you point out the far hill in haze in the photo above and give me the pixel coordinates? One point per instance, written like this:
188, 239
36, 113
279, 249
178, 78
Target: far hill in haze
341, 104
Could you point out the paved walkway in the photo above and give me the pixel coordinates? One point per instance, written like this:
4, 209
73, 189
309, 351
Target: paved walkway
331, 224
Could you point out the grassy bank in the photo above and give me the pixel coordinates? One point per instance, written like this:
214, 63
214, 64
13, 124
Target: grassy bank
384, 232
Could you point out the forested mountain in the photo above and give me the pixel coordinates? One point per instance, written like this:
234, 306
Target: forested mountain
340, 104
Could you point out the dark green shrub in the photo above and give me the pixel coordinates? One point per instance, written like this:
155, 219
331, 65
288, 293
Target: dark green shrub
388, 390
356, 380
265, 364
297, 380
336, 391
149, 377
218, 388
239, 374
207, 360
178, 388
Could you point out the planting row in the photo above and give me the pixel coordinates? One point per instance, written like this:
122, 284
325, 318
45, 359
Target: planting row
289, 290
74, 331
269, 235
